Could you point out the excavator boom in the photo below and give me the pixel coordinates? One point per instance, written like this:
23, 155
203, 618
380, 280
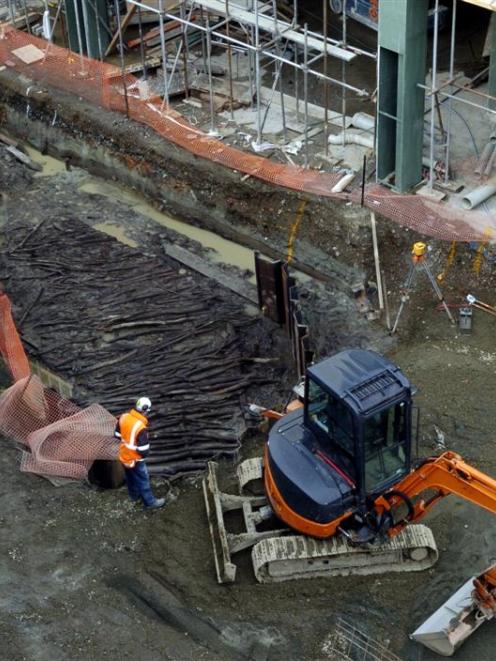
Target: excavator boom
437, 478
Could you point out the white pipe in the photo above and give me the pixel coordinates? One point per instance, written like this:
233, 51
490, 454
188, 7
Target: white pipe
478, 195
426, 162
361, 120
353, 138
342, 183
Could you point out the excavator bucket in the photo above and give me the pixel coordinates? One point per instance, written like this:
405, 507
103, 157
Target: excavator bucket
457, 619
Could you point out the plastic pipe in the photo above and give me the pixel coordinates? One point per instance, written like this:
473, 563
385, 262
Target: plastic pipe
361, 120
352, 138
478, 195
342, 183
487, 152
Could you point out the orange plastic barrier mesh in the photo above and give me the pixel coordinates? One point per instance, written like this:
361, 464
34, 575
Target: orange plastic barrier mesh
428, 217
102, 84
61, 439
10, 344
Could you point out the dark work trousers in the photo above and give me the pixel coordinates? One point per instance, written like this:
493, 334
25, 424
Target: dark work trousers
138, 483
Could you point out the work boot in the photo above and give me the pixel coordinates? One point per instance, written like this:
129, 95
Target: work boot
158, 502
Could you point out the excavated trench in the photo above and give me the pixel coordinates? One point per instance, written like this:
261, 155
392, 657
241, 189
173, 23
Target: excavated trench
145, 582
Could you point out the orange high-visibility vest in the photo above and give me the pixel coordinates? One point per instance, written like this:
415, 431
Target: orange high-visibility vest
130, 425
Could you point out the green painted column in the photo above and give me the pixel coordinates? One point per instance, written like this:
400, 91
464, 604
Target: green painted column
492, 61
91, 17
402, 49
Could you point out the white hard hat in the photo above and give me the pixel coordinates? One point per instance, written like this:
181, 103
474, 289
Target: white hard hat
143, 404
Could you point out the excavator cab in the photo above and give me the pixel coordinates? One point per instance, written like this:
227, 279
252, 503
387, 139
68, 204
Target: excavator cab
350, 443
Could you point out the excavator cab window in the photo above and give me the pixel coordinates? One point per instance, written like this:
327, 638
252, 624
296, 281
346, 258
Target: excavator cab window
332, 421
385, 446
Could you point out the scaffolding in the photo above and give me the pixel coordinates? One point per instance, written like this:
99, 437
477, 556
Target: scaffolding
253, 31
267, 37
256, 32
449, 92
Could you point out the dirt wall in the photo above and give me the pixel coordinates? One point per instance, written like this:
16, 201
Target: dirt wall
245, 210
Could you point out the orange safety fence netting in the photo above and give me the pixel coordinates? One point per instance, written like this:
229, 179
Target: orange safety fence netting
10, 343
102, 84
427, 216
60, 438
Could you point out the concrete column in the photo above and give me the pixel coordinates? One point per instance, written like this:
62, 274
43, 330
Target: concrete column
402, 51
91, 17
492, 60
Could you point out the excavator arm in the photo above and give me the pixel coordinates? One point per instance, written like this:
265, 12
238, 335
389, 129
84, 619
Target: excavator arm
433, 480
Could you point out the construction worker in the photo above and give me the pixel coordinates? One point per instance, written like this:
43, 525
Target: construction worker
132, 430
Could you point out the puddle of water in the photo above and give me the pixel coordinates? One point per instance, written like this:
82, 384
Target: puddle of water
51, 166
223, 250
117, 232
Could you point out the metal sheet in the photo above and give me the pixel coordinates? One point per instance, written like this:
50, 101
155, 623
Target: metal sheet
269, 286
448, 627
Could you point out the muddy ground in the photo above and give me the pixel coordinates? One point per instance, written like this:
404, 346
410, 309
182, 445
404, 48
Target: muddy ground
85, 575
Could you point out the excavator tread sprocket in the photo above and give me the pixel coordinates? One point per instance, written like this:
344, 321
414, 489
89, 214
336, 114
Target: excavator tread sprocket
285, 558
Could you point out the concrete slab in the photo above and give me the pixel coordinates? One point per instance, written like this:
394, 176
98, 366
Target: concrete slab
432, 194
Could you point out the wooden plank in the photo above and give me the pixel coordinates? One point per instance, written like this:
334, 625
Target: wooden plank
206, 268
20, 21
24, 159
267, 24
124, 24
485, 4
8, 141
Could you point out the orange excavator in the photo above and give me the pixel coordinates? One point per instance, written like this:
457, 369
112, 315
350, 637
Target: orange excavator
338, 470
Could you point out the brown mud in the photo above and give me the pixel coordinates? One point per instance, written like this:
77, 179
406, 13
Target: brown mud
85, 575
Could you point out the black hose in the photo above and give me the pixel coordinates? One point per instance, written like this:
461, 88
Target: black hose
399, 494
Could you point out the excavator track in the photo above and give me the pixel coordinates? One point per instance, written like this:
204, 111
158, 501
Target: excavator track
280, 559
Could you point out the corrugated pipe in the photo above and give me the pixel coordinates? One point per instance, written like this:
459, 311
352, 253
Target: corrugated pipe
352, 139
487, 152
479, 195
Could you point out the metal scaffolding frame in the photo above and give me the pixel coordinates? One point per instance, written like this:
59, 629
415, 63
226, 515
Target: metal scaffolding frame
265, 36
257, 31
449, 91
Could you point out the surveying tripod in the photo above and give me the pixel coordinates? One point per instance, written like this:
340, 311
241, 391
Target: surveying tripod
419, 261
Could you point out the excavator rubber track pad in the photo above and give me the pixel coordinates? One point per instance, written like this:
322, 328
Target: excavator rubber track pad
285, 558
